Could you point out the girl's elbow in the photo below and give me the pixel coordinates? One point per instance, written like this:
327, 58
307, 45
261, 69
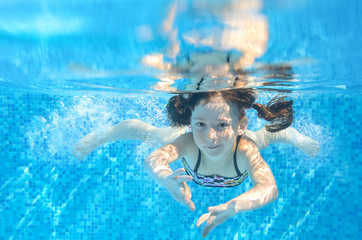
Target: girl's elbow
147, 164
269, 190
274, 192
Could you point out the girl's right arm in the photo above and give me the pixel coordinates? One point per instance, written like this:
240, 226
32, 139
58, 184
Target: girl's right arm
125, 130
290, 135
157, 166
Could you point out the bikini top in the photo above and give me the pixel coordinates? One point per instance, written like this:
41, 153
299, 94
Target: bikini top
215, 180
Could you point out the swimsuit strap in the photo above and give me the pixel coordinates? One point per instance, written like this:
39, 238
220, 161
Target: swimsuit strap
198, 162
235, 162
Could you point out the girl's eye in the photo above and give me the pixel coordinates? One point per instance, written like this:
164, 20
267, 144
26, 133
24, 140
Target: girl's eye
223, 125
200, 124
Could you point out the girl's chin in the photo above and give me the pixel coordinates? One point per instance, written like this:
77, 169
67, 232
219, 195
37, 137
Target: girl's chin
213, 151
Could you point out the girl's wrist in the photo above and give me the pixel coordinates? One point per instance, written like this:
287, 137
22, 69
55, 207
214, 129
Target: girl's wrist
232, 207
162, 173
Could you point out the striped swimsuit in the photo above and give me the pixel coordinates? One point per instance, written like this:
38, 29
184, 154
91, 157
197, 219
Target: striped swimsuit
215, 180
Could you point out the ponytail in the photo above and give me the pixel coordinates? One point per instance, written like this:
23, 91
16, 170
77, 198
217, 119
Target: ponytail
278, 112
178, 113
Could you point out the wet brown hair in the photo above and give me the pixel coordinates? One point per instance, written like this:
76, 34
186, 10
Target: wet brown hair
278, 111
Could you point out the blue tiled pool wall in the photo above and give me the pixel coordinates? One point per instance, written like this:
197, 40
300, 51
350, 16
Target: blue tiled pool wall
46, 194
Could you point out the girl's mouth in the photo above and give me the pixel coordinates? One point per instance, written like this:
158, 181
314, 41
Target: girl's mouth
213, 147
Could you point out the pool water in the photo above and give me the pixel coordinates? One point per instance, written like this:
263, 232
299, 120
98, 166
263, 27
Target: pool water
45, 109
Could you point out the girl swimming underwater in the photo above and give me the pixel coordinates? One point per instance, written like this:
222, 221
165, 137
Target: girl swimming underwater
218, 152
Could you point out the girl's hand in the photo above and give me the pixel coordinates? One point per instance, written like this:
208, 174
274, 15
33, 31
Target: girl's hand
216, 216
176, 185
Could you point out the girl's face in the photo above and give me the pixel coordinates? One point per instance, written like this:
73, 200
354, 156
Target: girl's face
215, 127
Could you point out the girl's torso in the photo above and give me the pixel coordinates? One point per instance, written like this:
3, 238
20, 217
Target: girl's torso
231, 175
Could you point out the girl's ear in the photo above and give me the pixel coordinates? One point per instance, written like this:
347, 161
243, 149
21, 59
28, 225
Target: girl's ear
243, 124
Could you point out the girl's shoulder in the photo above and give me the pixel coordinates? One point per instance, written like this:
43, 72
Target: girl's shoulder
189, 149
247, 150
187, 138
186, 141
247, 146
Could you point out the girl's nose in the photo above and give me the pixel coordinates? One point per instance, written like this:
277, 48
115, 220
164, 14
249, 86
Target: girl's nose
212, 134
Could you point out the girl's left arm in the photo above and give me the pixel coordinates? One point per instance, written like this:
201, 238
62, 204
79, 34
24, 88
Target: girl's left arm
264, 191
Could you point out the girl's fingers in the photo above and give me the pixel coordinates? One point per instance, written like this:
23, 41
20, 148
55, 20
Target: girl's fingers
216, 209
190, 205
177, 172
211, 223
207, 230
202, 219
187, 198
184, 178
184, 190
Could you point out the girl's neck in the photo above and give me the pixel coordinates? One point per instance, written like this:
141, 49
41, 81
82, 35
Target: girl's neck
217, 163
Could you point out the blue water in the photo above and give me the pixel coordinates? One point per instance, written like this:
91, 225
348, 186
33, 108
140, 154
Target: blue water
45, 109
